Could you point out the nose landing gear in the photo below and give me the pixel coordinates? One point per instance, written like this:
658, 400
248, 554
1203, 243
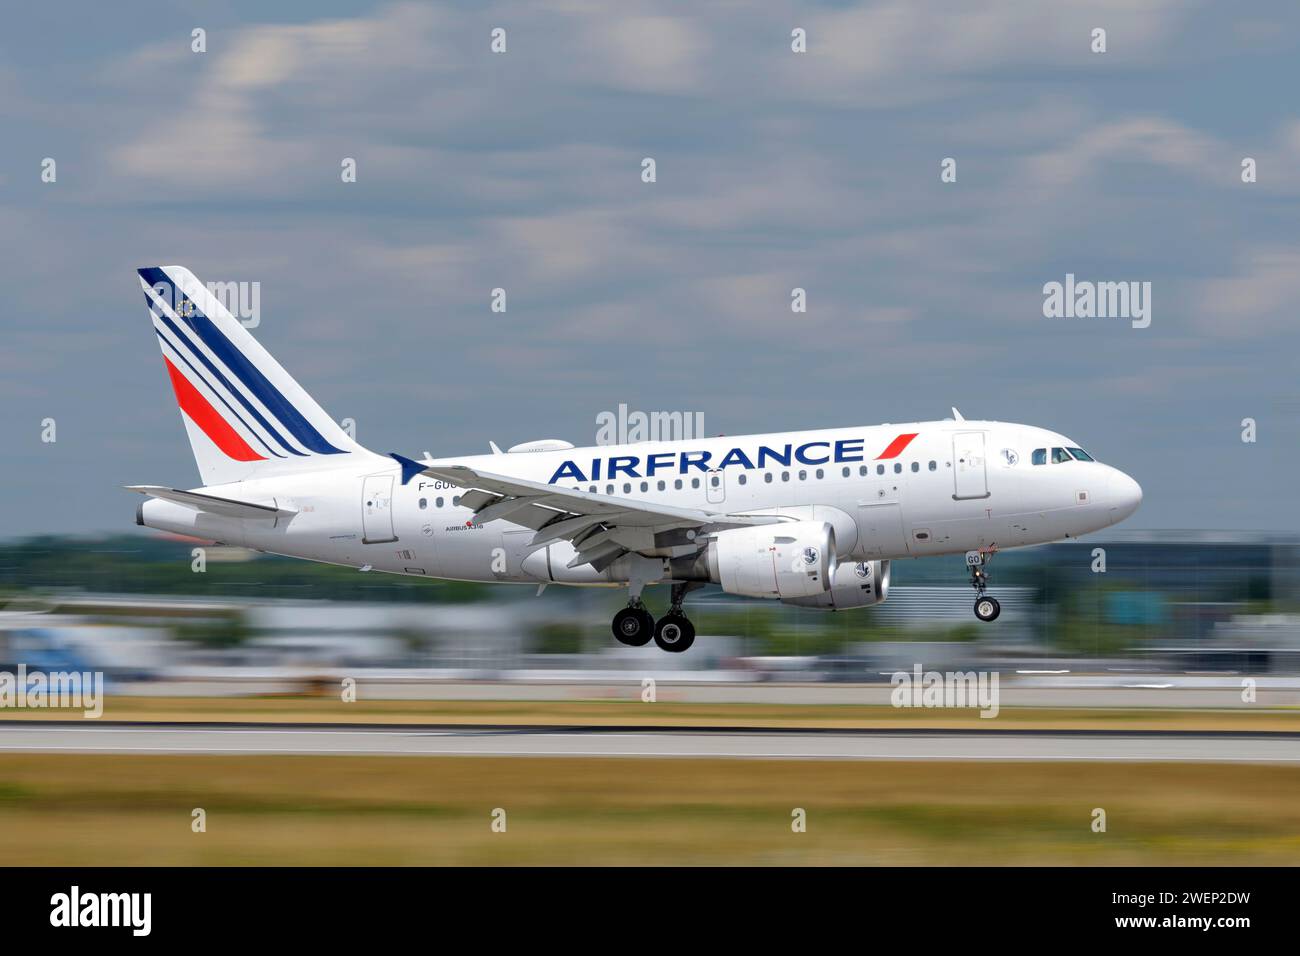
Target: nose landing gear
986, 608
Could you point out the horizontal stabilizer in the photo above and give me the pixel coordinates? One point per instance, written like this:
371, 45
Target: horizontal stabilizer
226, 507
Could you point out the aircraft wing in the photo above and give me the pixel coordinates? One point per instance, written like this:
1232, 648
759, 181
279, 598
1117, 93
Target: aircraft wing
601, 527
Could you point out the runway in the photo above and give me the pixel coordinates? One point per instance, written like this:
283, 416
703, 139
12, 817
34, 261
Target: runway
714, 743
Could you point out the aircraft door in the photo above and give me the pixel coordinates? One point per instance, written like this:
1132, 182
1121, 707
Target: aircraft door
969, 471
377, 510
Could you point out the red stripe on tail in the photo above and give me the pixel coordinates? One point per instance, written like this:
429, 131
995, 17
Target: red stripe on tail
896, 446
201, 413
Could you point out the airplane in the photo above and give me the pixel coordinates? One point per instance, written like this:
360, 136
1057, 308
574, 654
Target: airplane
809, 518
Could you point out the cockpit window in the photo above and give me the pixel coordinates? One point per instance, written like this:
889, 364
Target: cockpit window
1082, 455
1040, 456
1060, 455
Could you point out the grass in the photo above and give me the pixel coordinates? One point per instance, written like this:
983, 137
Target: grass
630, 711
136, 810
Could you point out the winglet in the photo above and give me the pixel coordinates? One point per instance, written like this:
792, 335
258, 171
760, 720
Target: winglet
495, 450
410, 467
956, 415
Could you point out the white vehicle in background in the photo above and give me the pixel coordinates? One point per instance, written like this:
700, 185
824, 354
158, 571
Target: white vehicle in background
810, 518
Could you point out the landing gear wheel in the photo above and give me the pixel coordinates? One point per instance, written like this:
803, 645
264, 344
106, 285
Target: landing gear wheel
634, 626
987, 608
674, 633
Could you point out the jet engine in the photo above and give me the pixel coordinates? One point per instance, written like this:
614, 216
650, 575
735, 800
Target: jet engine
790, 560
859, 584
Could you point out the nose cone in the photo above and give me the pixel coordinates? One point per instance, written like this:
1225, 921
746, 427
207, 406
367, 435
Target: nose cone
1125, 495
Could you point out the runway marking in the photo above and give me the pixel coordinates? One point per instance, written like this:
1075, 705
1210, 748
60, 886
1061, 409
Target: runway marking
752, 744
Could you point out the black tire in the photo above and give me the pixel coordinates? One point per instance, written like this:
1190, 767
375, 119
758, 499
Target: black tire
634, 626
674, 633
987, 608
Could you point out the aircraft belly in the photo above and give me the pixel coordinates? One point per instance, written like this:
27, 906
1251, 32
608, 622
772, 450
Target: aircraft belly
464, 552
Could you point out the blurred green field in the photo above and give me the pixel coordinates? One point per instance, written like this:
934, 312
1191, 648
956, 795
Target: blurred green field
136, 810
403, 810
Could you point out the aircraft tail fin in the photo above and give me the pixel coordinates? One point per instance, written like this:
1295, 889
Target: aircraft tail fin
245, 415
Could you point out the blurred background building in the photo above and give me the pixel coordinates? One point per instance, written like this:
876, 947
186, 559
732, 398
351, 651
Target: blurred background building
135, 608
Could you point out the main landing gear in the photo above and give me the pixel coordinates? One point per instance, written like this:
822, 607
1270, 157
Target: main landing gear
634, 625
673, 632
986, 608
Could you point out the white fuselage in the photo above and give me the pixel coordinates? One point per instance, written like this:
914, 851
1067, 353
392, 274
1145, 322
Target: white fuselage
955, 486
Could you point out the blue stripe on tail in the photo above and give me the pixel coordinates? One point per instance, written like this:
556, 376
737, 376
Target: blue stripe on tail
246, 371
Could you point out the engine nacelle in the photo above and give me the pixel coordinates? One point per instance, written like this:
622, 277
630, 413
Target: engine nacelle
788, 560
858, 584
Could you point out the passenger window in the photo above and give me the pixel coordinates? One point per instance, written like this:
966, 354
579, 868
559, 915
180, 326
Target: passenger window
438, 502
678, 484
713, 480
916, 466
767, 476
1039, 456
934, 465
846, 472
820, 474
803, 476
863, 470
645, 486
880, 469
424, 503
1060, 455
627, 487
742, 479
455, 502
609, 489
898, 467
662, 485
695, 482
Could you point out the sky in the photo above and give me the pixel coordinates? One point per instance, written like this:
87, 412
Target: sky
774, 170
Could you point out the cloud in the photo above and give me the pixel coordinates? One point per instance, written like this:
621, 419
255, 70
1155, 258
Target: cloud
234, 132
650, 54
1145, 139
902, 52
1258, 300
